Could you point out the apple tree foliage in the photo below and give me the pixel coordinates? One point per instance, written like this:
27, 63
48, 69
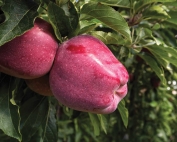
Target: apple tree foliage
140, 33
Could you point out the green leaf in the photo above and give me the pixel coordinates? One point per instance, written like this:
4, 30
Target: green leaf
72, 14
68, 111
154, 66
1, 2
9, 114
156, 11
108, 16
33, 112
103, 122
166, 53
6, 138
86, 26
123, 112
63, 22
95, 123
173, 18
19, 18
58, 20
163, 62
171, 4
61, 2
116, 3
51, 131
108, 38
142, 3
156, 26
47, 131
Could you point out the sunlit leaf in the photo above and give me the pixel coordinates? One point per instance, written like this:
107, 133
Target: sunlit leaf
123, 112
109, 38
95, 123
156, 11
108, 16
142, 3
86, 26
103, 122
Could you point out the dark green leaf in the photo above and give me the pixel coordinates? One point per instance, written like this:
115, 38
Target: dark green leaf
9, 114
19, 18
73, 15
6, 138
51, 130
173, 18
108, 16
163, 62
58, 20
166, 53
63, 21
33, 112
154, 66
1, 2
47, 131
123, 112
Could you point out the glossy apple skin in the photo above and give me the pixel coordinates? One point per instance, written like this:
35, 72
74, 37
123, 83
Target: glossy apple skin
86, 76
40, 85
30, 55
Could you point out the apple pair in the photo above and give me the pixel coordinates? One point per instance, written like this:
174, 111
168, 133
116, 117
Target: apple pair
83, 73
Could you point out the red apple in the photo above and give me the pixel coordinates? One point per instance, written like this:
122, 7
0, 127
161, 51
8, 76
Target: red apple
30, 55
40, 85
86, 76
